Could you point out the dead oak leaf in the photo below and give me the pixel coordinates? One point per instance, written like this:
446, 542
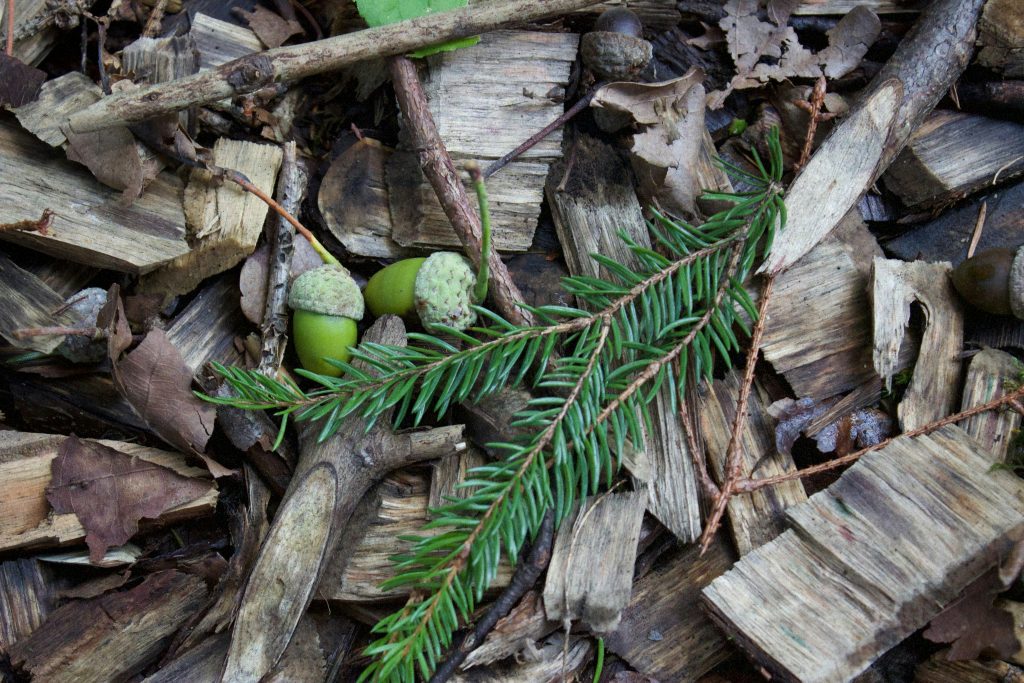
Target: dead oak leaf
158, 384
110, 491
272, 29
19, 82
974, 624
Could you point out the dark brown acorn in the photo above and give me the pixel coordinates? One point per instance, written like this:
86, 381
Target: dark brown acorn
993, 281
616, 50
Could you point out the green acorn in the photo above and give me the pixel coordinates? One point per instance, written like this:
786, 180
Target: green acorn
440, 288
327, 304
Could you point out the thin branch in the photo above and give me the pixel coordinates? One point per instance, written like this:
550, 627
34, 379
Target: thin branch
295, 62
687, 419
567, 116
524, 578
732, 453
153, 21
813, 108
749, 485
440, 171
10, 28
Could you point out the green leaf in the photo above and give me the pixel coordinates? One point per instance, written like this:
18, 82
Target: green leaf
382, 12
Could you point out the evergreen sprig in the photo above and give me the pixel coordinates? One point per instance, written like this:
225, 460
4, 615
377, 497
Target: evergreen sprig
675, 311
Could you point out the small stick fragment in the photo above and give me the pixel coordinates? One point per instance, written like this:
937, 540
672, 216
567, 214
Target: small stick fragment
91, 332
979, 226
814, 109
42, 226
10, 28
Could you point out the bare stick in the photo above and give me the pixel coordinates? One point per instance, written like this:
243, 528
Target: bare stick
748, 485
440, 171
274, 329
10, 28
732, 453
812, 107
979, 225
295, 62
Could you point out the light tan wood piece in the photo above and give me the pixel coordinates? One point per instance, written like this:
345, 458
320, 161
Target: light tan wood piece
591, 571
598, 201
1001, 37
218, 42
664, 633
555, 660
224, 221
872, 558
155, 60
450, 471
987, 375
57, 99
954, 154
26, 520
484, 110
27, 596
27, 301
756, 518
90, 225
205, 330
896, 285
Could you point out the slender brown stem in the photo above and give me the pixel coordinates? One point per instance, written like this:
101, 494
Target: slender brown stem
41, 226
748, 485
10, 28
572, 111
92, 332
732, 453
814, 109
687, 419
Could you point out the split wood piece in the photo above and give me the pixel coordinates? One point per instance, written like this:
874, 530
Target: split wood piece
664, 633
63, 277
831, 7
27, 301
58, 98
954, 154
927, 62
224, 221
201, 663
355, 202
219, 42
598, 201
554, 660
895, 286
938, 669
947, 237
1001, 37
294, 62
591, 571
872, 558
206, 329
113, 636
27, 596
91, 226
331, 478
987, 376
757, 518
397, 507
482, 110
656, 15
450, 471
818, 330
525, 623
26, 520
156, 60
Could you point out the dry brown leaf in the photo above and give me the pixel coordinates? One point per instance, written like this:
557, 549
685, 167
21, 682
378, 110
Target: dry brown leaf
114, 158
974, 625
272, 29
670, 121
158, 384
19, 82
252, 281
771, 50
110, 491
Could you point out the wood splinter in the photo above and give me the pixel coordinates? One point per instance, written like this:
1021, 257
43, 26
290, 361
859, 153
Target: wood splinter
331, 478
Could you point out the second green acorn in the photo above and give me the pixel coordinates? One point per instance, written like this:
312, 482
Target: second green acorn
439, 288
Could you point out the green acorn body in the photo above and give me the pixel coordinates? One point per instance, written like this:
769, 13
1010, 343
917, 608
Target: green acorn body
327, 303
439, 288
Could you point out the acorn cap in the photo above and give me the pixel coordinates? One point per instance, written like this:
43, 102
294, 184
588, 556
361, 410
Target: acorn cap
1017, 284
328, 290
444, 291
615, 56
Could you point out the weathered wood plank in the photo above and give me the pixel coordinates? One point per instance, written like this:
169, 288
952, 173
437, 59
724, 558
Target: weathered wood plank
663, 632
58, 98
26, 520
591, 570
872, 558
895, 286
756, 518
598, 201
91, 225
483, 110
954, 154
987, 376
205, 330
450, 471
27, 301
27, 596
219, 42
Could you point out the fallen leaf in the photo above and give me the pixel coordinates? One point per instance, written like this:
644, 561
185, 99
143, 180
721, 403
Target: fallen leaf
112, 319
114, 157
158, 384
974, 625
712, 36
252, 281
272, 29
670, 121
94, 587
19, 82
771, 50
861, 428
110, 491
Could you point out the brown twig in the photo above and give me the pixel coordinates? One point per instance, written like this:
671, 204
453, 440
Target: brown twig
979, 226
42, 226
813, 108
686, 418
748, 485
440, 171
57, 330
732, 453
567, 116
153, 21
524, 578
10, 28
